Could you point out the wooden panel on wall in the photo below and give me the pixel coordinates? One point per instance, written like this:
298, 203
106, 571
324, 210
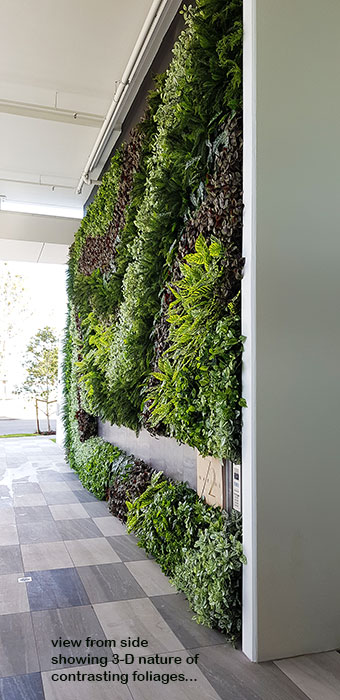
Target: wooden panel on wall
211, 480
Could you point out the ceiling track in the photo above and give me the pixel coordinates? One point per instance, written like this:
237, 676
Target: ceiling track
26, 109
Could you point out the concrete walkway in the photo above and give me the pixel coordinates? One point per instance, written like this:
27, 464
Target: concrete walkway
86, 579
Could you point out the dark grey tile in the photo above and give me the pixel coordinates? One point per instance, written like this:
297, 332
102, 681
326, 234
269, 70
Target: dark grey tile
32, 514
127, 548
234, 677
49, 475
97, 510
27, 687
109, 582
67, 623
176, 612
71, 477
10, 560
57, 498
55, 588
20, 488
84, 528
18, 652
45, 531
84, 496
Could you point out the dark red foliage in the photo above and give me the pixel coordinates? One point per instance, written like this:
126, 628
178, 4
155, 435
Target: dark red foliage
127, 486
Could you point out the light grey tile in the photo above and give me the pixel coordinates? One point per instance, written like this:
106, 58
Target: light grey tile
17, 645
137, 618
75, 623
8, 534
150, 577
45, 555
23, 487
109, 582
68, 512
54, 486
317, 675
10, 560
13, 595
7, 515
77, 529
97, 510
110, 525
86, 690
95, 550
30, 499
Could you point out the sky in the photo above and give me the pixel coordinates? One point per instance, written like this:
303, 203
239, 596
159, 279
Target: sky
45, 297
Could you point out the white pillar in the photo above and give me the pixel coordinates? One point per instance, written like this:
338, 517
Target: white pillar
291, 297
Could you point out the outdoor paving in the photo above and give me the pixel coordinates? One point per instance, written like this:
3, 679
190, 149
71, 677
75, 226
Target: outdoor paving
90, 579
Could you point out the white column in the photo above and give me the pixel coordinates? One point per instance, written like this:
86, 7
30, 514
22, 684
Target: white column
291, 299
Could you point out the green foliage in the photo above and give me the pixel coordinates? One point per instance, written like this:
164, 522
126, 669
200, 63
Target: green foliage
210, 576
41, 364
167, 518
197, 395
94, 463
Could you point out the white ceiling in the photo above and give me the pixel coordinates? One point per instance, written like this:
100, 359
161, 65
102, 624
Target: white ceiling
56, 59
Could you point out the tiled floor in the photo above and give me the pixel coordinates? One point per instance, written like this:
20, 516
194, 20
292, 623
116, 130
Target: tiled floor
88, 579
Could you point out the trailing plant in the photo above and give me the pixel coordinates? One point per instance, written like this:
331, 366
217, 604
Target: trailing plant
128, 483
94, 463
210, 576
167, 518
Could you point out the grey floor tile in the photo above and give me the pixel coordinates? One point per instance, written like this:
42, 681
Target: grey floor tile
10, 560
234, 677
68, 512
317, 675
27, 687
54, 486
77, 529
85, 690
194, 686
49, 475
29, 499
58, 588
127, 548
45, 555
61, 497
72, 477
110, 525
177, 613
4, 491
17, 645
109, 582
13, 595
68, 623
97, 510
137, 618
7, 515
85, 496
150, 577
31, 533
95, 550
32, 514
20, 488
8, 534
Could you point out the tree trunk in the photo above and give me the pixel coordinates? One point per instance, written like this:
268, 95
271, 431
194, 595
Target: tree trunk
37, 416
48, 418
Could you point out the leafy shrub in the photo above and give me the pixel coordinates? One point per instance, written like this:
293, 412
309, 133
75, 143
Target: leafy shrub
167, 518
210, 576
94, 462
128, 483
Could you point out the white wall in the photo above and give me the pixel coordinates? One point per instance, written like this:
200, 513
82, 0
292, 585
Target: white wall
292, 468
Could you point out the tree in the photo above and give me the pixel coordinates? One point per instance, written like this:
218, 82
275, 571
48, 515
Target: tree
41, 366
13, 309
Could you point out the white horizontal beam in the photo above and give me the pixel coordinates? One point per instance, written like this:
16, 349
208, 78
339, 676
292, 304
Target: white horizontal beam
36, 227
25, 109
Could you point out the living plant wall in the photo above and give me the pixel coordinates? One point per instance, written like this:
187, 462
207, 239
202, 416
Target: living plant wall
153, 336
